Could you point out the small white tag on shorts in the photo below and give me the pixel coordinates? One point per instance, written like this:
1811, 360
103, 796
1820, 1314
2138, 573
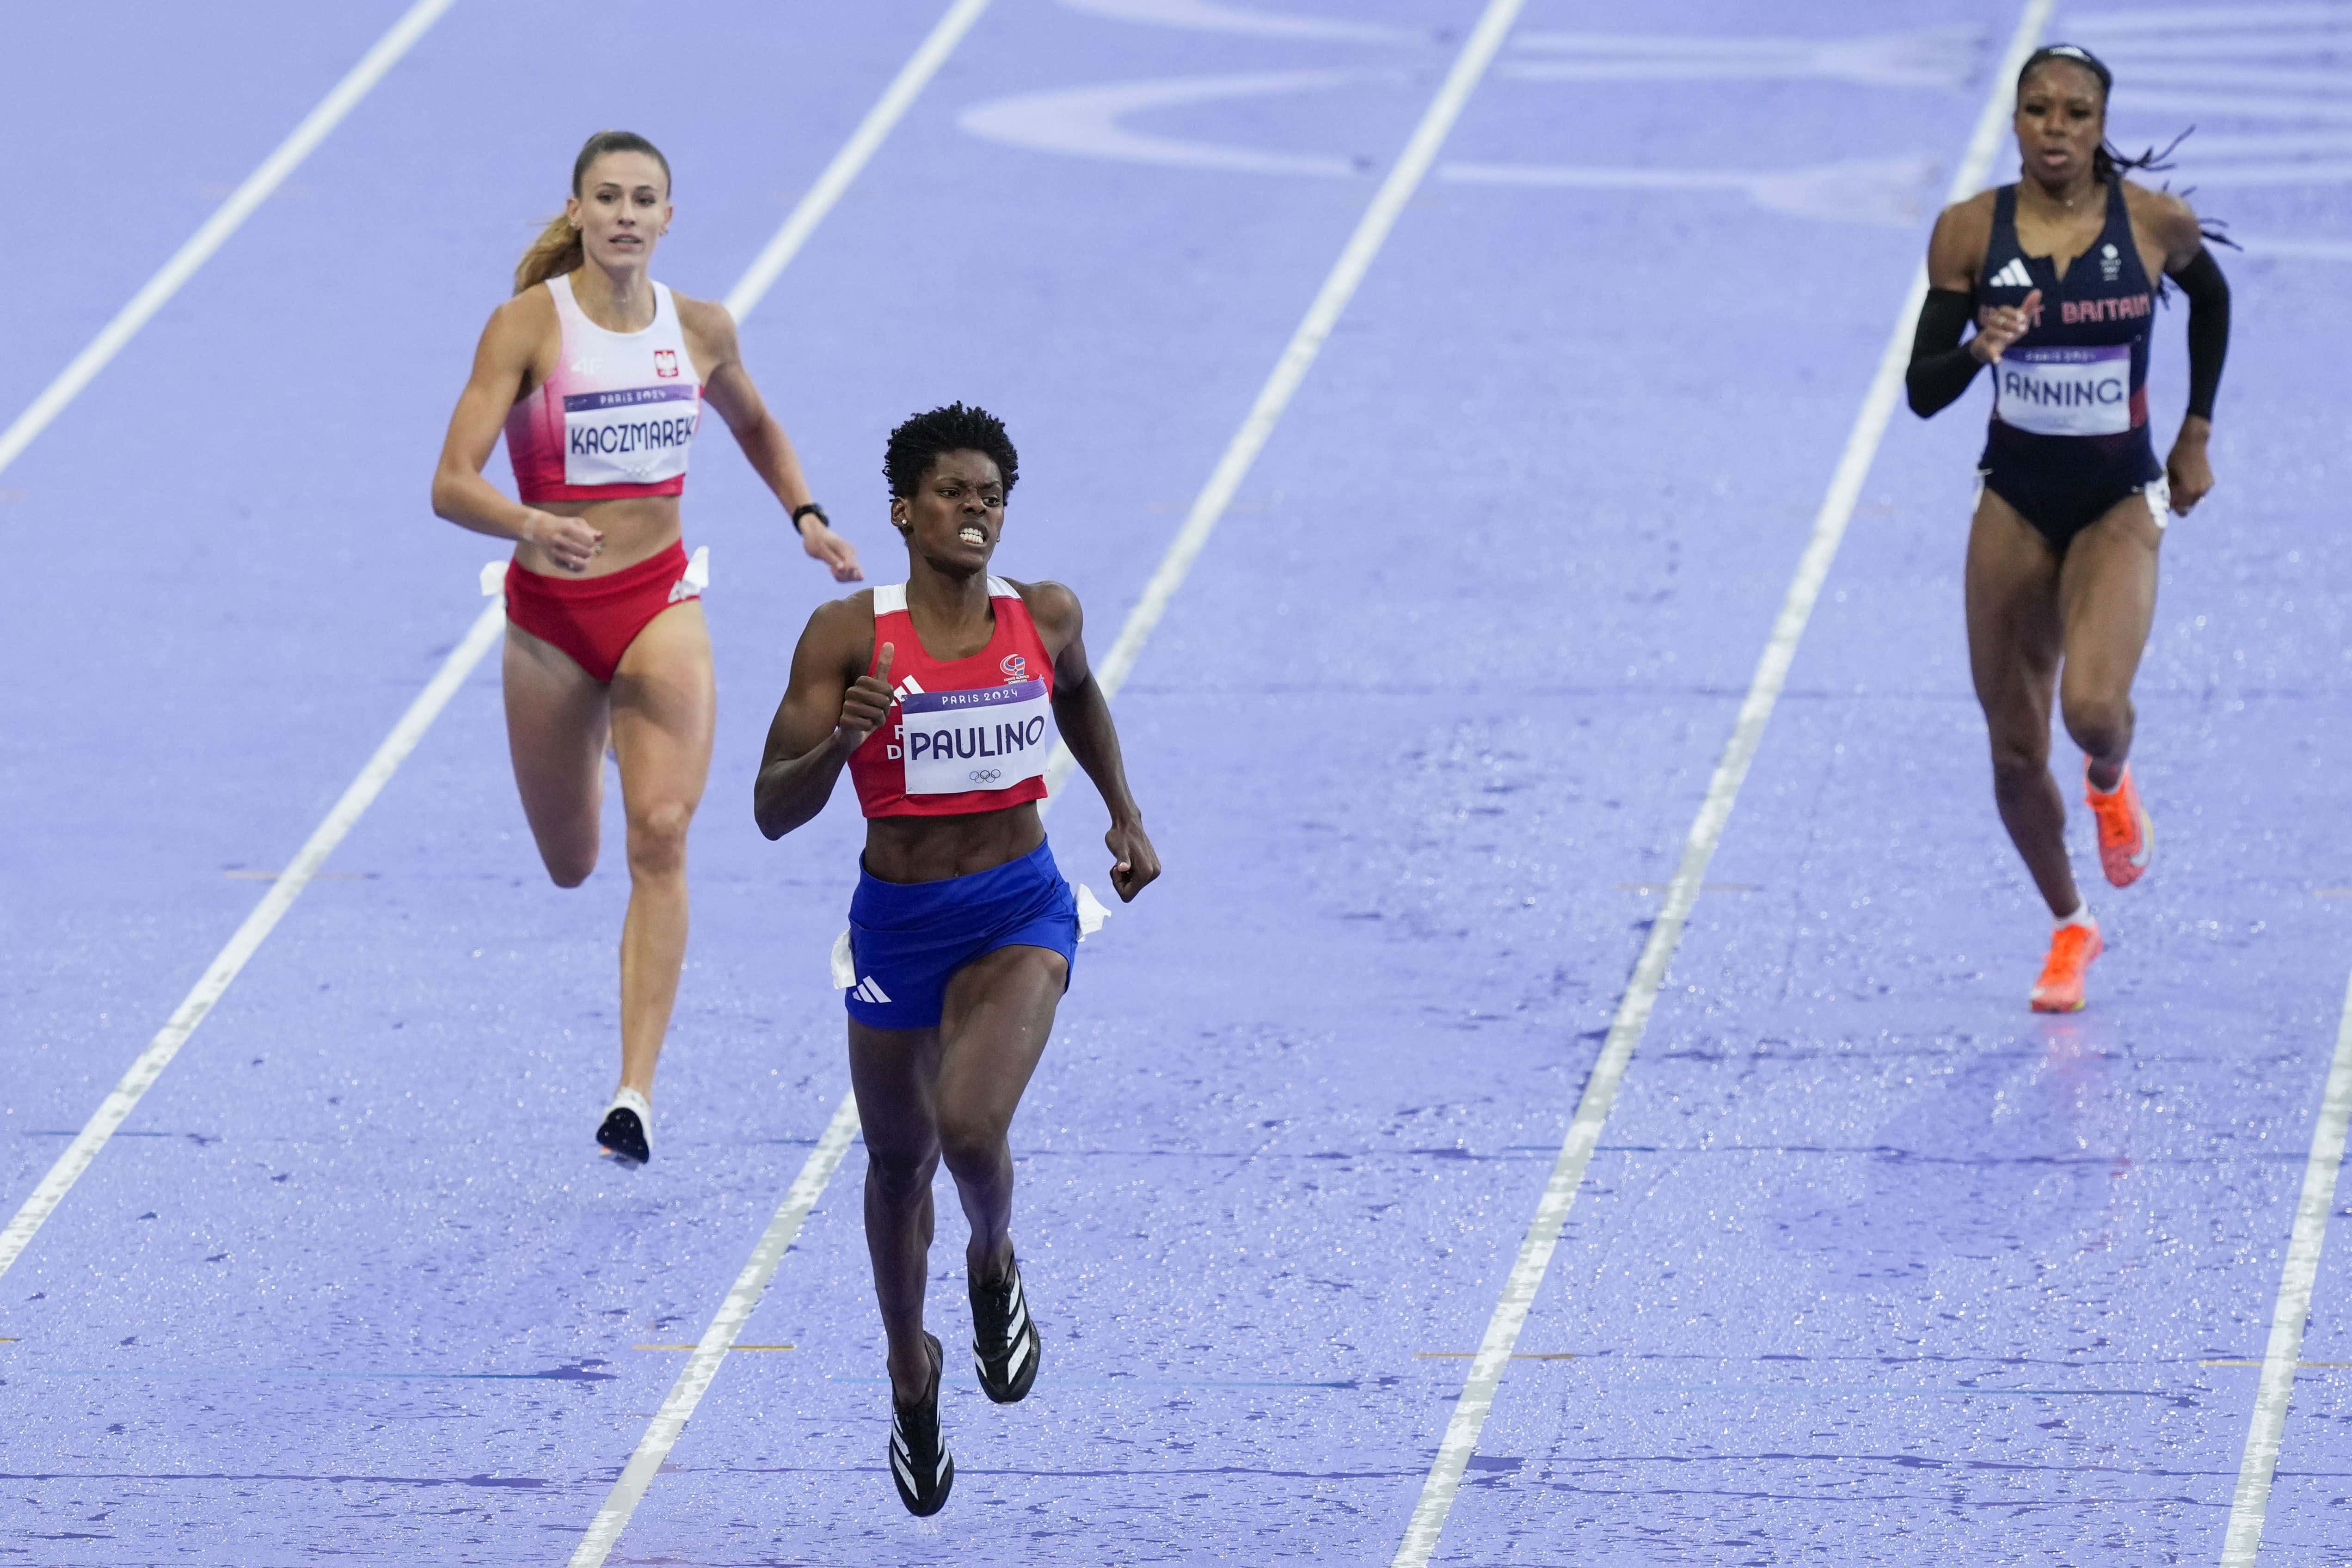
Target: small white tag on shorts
2158, 491
845, 967
494, 580
1091, 912
697, 578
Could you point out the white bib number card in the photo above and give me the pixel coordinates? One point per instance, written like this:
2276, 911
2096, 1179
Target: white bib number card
638, 435
2065, 392
991, 738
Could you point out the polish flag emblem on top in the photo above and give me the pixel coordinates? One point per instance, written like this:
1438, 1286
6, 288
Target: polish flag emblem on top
665, 361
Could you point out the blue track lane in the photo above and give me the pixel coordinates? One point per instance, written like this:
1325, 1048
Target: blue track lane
1873, 1266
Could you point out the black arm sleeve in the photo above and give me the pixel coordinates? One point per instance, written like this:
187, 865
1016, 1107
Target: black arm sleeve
2209, 330
1941, 367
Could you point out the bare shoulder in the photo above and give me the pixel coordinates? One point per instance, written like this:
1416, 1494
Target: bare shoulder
706, 320
526, 318
1957, 249
2164, 216
1054, 607
841, 630
853, 612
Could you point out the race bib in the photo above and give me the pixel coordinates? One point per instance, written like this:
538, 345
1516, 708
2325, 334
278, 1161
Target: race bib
2065, 392
990, 738
637, 436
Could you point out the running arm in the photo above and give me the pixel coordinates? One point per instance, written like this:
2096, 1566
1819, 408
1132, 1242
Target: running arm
1941, 365
2187, 471
825, 716
1083, 715
728, 387
2209, 330
460, 494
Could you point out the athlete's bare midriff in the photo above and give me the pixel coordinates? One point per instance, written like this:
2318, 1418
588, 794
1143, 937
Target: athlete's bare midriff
636, 529
932, 849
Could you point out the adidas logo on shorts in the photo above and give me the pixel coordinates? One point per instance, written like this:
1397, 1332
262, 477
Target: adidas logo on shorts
867, 991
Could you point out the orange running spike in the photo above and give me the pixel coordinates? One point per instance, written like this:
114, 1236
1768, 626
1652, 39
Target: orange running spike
2126, 837
2060, 988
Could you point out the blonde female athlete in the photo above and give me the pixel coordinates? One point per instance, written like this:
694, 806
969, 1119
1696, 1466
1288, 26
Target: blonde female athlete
597, 374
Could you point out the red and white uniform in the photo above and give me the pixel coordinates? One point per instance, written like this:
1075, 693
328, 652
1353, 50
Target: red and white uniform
965, 734
617, 415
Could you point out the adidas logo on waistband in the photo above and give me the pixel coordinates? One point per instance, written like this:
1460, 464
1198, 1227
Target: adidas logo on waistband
2012, 276
867, 991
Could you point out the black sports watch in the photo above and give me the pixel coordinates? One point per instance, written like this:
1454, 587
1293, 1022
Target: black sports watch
806, 509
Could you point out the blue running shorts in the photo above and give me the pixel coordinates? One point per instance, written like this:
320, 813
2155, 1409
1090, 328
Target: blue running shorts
907, 939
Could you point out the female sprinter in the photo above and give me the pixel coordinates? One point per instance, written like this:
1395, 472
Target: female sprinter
597, 375
2059, 271
935, 693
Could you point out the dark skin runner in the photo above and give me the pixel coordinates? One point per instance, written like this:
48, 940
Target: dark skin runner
2031, 610
948, 1092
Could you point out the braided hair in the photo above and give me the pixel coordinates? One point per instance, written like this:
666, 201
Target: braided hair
2106, 162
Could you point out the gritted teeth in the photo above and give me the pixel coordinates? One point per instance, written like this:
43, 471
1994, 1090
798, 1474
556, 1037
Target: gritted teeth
972, 536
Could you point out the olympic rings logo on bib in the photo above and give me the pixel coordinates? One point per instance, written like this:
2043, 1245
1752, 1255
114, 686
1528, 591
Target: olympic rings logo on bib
985, 775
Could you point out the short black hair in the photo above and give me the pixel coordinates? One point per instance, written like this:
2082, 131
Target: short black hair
926, 437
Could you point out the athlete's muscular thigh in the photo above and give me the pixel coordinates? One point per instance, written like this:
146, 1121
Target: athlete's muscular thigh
998, 1011
557, 721
894, 1073
2014, 631
2106, 594
665, 707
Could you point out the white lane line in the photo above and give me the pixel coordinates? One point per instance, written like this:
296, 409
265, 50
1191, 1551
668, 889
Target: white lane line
718, 1340
1322, 314
798, 225
887, 110
2252, 1501
816, 1172
257, 925
1298, 356
216, 229
1625, 1030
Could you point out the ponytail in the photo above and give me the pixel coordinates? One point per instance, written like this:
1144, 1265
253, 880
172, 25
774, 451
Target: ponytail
558, 249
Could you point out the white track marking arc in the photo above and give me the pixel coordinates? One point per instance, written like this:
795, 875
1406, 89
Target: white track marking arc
2250, 1502
1084, 121
1206, 16
1299, 355
478, 641
215, 233
1632, 1018
751, 1284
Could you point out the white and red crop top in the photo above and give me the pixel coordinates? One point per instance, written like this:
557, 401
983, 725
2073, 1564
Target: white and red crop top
617, 416
965, 734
